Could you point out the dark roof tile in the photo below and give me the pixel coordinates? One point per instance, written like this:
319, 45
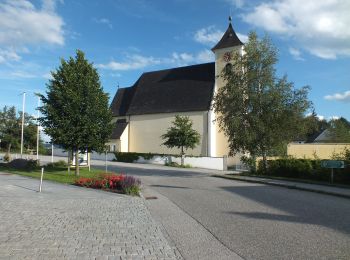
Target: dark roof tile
173, 90
118, 129
229, 39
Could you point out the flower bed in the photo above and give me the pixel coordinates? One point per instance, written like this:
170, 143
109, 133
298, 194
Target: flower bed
112, 182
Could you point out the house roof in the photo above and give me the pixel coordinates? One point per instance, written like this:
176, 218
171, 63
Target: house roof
121, 101
118, 129
229, 39
180, 89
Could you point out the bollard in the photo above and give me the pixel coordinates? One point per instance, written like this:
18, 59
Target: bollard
41, 179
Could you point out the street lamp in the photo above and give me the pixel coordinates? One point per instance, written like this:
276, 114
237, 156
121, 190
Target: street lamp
23, 104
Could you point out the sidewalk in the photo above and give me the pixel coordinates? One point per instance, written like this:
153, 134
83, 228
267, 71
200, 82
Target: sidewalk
69, 222
325, 189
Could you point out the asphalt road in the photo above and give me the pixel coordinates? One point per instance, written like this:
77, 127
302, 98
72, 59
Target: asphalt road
214, 218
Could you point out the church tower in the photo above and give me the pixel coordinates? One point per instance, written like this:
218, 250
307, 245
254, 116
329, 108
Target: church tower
223, 50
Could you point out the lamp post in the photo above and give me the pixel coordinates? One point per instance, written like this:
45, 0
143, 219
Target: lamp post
38, 132
23, 105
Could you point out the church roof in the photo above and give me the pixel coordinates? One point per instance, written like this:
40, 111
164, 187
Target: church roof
180, 89
119, 128
229, 39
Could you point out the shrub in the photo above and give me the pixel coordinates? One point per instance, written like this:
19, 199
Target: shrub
126, 157
22, 164
304, 169
175, 164
109, 181
58, 164
131, 157
130, 185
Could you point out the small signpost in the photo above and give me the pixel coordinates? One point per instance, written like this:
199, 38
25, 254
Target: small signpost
332, 164
41, 179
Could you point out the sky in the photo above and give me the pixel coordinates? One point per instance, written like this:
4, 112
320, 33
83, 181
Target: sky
123, 39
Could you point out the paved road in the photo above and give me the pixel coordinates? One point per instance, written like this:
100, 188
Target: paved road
213, 218
68, 222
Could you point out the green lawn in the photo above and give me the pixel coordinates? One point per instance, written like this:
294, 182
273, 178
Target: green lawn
54, 174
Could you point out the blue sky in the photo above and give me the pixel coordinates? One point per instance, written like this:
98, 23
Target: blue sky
125, 38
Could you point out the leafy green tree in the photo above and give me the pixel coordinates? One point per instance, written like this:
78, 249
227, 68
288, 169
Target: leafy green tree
76, 113
339, 130
181, 135
313, 127
10, 130
256, 110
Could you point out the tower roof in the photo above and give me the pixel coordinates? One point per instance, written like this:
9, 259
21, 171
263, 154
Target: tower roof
229, 39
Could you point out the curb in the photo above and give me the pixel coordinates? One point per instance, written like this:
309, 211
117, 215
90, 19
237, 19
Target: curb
285, 186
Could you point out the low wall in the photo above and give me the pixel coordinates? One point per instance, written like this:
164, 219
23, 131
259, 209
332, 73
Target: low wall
214, 163
318, 150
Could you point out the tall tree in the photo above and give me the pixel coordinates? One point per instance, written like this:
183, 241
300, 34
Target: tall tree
75, 112
314, 126
181, 135
10, 129
255, 109
339, 130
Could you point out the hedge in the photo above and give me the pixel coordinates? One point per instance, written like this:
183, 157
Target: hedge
304, 169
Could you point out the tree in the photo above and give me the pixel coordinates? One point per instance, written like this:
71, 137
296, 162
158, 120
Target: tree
256, 110
10, 130
181, 135
339, 130
314, 126
75, 111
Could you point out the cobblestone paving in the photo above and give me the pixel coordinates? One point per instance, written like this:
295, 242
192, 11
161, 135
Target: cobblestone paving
67, 222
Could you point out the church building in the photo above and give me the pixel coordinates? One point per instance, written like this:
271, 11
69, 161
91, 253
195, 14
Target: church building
144, 111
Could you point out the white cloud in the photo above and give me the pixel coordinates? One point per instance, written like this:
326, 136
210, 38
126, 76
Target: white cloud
133, 62
344, 97
21, 23
296, 53
104, 21
47, 75
320, 27
136, 61
8, 55
205, 56
22, 74
242, 37
210, 36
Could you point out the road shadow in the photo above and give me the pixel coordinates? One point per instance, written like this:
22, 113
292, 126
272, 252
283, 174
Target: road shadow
300, 206
138, 171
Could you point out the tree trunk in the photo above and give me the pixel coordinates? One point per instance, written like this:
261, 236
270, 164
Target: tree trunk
76, 162
68, 162
9, 148
264, 155
182, 156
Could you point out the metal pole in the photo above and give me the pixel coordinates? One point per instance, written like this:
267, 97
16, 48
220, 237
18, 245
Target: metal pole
106, 161
23, 104
41, 178
52, 152
38, 132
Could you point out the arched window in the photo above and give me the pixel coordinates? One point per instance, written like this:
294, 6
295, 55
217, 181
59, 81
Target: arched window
228, 67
